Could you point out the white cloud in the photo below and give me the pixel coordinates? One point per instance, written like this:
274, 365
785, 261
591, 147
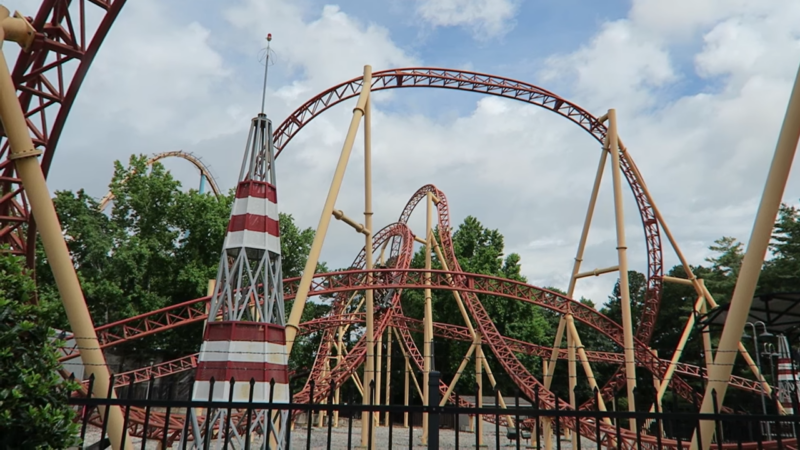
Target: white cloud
329, 49
183, 73
485, 18
160, 83
730, 47
620, 64
683, 19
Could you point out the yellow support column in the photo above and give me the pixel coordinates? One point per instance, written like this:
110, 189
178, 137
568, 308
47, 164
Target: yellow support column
388, 419
572, 370
479, 394
625, 296
428, 318
370, 365
293, 323
720, 372
406, 390
378, 377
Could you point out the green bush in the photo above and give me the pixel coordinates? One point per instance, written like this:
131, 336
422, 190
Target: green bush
34, 412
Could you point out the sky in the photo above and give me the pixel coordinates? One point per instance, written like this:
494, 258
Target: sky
700, 88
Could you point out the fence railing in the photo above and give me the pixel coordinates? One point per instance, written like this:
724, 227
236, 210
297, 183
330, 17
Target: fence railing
523, 424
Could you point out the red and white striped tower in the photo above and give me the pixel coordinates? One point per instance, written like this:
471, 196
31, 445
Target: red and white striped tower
787, 380
245, 339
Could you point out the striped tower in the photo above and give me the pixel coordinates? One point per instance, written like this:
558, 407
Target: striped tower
245, 339
787, 379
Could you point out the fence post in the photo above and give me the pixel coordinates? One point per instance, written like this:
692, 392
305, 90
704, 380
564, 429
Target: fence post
433, 413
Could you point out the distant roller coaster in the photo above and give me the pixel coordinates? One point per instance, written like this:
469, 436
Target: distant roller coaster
205, 173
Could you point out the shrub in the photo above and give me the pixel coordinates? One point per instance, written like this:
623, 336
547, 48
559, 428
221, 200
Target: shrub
34, 412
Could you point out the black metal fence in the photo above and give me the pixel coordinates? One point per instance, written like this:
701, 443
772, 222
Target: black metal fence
515, 426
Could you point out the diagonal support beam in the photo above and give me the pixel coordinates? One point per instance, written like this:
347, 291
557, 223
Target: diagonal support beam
751, 266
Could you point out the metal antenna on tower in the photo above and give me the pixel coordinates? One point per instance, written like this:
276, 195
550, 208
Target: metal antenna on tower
266, 71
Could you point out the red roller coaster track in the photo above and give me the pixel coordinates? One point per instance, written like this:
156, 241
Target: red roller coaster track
47, 90
355, 357
426, 77
55, 22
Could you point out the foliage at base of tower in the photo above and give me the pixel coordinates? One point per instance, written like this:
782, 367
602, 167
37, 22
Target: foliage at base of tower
33, 396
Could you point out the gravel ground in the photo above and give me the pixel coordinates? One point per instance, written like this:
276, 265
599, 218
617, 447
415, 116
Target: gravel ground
339, 438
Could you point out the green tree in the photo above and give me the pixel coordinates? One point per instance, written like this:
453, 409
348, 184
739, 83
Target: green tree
721, 276
781, 272
157, 246
637, 287
33, 396
295, 246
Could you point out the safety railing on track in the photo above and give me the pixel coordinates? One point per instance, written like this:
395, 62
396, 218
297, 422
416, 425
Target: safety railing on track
158, 420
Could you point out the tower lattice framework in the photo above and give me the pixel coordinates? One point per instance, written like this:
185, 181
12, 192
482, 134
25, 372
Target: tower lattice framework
243, 356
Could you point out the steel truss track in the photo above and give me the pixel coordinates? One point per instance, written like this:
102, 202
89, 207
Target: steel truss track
440, 330
355, 358
426, 77
402, 252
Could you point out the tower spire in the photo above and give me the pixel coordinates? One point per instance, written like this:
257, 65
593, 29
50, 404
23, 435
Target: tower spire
266, 72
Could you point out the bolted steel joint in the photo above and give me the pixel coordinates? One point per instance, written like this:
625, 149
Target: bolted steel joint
30, 153
17, 28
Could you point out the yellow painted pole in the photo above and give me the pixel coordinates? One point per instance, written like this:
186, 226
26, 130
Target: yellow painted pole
479, 394
581, 352
676, 356
492, 381
549, 369
371, 365
292, 325
428, 322
757, 245
378, 377
625, 296
405, 389
708, 351
572, 370
457, 376
388, 373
